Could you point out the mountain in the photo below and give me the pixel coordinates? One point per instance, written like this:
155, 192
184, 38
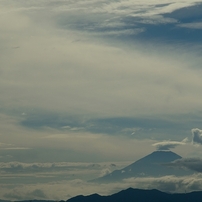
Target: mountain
139, 195
150, 165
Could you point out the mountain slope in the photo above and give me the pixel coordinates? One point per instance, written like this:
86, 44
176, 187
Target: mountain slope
150, 165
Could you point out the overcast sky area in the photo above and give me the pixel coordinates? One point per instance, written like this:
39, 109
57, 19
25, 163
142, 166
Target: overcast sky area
89, 86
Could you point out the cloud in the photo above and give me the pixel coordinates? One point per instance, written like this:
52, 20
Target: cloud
167, 145
195, 25
196, 135
105, 172
194, 164
33, 194
48, 172
130, 19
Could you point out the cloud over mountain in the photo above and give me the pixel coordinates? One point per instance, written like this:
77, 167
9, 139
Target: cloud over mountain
167, 145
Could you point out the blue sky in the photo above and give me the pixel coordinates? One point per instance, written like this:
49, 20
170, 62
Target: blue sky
90, 81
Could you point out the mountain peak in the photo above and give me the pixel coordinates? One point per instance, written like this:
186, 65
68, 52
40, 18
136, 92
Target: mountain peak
161, 156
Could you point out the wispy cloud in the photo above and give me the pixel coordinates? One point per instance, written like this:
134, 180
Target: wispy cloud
195, 25
5, 146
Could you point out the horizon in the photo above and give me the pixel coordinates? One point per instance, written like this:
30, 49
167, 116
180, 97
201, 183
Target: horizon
90, 86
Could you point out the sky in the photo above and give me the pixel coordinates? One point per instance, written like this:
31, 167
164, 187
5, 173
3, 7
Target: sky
90, 86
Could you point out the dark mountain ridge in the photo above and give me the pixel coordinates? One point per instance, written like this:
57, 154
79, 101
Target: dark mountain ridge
139, 195
133, 195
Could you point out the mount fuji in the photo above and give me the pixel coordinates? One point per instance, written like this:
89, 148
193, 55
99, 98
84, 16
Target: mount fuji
152, 165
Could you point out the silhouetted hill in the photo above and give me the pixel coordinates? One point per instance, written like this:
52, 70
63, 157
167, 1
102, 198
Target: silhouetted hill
139, 195
150, 165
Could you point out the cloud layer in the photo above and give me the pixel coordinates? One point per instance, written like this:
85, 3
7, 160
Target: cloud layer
58, 190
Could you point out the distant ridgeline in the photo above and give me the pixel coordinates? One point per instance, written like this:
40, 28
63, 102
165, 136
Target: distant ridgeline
139, 195
133, 195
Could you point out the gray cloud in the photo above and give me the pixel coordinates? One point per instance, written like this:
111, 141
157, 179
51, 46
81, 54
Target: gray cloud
194, 164
112, 125
167, 145
196, 135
